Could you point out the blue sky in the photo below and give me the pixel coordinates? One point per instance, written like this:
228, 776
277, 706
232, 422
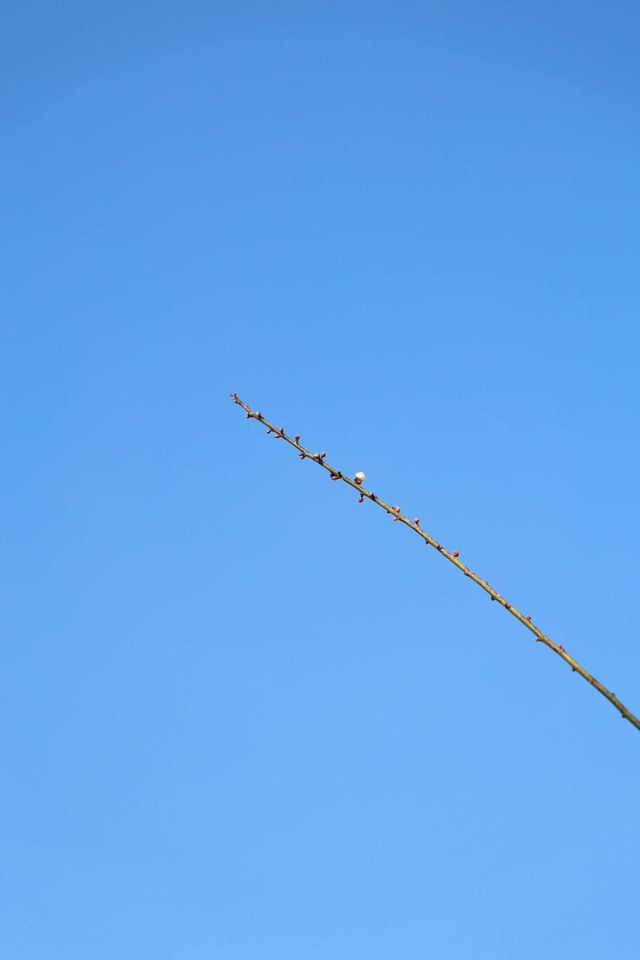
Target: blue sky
243, 716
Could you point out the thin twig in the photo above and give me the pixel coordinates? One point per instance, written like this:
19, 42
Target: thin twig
356, 483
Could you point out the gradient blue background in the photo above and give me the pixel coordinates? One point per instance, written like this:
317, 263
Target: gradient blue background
244, 717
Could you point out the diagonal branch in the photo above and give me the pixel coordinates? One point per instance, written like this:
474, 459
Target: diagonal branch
356, 483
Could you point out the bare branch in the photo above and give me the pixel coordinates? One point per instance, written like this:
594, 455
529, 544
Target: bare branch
453, 557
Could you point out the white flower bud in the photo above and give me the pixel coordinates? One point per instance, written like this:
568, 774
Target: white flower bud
359, 477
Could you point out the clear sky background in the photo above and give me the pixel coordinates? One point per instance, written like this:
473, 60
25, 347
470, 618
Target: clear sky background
244, 717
